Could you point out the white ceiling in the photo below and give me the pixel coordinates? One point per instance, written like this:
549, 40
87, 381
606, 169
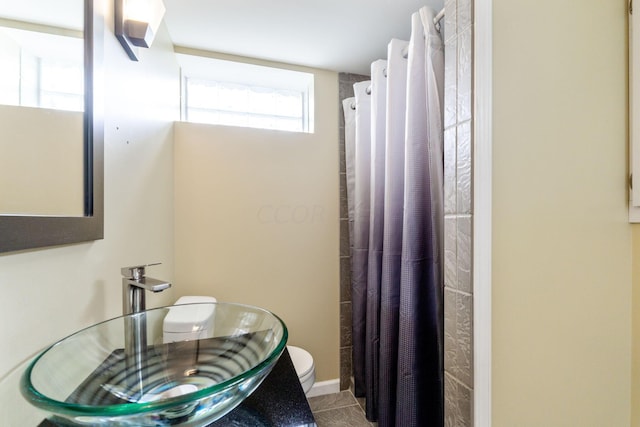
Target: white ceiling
339, 35
61, 13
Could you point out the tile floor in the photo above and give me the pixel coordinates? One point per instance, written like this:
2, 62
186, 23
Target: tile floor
338, 410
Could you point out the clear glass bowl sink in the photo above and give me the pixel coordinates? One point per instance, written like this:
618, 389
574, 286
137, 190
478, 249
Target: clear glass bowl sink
128, 371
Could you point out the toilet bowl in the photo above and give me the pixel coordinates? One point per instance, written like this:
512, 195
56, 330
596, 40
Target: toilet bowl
197, 323
304, 366
192, 323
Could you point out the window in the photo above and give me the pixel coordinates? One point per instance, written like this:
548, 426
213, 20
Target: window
41, 70
239, 94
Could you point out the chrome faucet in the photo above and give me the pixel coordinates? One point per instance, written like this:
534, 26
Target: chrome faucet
134, 285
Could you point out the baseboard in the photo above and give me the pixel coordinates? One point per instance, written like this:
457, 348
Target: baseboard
324, 387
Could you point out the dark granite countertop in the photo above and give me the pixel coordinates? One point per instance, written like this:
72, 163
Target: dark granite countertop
278, 402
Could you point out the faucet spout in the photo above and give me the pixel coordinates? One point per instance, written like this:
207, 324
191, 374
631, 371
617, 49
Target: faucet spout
149, 284
134, 285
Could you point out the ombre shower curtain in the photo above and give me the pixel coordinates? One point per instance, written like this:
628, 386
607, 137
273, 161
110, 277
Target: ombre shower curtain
394, 155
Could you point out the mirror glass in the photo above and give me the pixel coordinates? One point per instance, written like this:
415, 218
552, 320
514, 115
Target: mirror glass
53, 143
42, 108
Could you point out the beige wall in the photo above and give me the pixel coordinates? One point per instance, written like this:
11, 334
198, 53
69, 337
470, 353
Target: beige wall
48, 293
41, 166
562, 244
257, 222
635, 355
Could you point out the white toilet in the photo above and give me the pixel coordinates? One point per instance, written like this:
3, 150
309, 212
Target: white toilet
197, 323
305, 368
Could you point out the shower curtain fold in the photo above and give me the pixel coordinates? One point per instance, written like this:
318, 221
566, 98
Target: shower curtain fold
420, 377
378, 134
360, 243
392, 230
349, 108
397, 281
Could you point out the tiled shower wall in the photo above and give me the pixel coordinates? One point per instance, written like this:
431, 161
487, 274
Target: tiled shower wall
345, 89
458, 190
458, 297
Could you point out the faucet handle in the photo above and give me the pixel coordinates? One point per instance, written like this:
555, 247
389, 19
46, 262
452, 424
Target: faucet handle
136, 272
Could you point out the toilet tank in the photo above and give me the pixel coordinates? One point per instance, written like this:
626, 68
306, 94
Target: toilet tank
189, 322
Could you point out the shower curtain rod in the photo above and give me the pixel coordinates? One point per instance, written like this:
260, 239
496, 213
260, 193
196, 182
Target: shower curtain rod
436, 21
439, 16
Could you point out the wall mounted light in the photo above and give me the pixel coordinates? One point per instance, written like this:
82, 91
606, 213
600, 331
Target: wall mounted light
136, 23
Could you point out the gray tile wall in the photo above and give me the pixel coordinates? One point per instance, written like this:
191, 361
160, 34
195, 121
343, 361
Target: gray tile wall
345, 82
458, 188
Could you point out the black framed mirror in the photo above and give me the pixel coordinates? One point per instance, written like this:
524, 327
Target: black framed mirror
20, 232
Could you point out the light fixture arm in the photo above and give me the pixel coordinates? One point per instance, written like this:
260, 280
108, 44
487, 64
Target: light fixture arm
134, 30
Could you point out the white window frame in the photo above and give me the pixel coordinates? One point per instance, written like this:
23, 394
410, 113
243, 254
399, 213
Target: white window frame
250, 75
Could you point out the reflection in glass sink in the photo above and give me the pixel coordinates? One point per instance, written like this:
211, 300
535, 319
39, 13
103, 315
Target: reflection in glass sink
93, 378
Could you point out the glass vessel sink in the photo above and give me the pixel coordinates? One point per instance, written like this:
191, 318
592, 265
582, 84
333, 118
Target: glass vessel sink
130, 371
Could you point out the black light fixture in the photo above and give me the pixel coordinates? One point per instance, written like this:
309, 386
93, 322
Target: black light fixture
136, 23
